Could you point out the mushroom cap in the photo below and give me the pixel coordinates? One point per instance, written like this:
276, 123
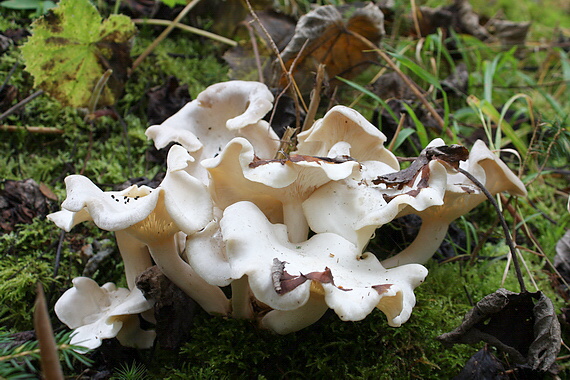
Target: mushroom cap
462, 195
219, 113
180, 202
344, 124
352, 284
97, 313
237, 174
206, 253
490, 170
354, 209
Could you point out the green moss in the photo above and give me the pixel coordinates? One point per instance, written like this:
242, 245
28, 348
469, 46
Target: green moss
28, 257
234, 349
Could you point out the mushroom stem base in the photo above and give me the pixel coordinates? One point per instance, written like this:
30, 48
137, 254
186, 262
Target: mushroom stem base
429, 238
288, 321
209, 297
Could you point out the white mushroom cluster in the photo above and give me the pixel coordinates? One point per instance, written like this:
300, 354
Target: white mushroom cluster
287, 235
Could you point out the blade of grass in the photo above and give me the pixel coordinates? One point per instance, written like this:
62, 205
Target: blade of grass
489, 110
417, 70
364, 90
420, 129
504, 112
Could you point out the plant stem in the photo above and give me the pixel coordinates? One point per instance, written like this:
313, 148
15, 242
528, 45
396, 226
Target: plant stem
241, 299
287, 321
294, 219
187, 28
430, 236
508, 238
209, 297
20, 104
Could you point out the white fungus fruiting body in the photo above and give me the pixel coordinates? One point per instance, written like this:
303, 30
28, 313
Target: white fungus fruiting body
220, 113
283, 274
229, 214
461, 196
96, 313
154, 217
278, 187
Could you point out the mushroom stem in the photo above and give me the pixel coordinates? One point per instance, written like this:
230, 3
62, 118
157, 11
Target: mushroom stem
294, 219
288, 321
241, 299
429, 238
209, 297
135, 255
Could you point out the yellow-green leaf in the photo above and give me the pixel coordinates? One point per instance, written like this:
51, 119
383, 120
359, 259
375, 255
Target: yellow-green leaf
71, 48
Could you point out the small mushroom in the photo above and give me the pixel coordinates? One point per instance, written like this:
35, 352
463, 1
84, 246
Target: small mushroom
343, 124
219, 113
97, 313
461, 196
155, 217
285, 275
278, 187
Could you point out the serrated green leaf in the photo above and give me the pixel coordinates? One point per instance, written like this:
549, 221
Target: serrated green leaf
71, 48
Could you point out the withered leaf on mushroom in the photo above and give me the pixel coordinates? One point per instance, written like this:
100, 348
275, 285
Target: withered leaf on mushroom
461, 196
324, 270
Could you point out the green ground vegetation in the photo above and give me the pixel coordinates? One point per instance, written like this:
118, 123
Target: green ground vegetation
110, 151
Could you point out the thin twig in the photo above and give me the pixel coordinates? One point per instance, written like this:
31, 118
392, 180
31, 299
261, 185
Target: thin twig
508, 238
415, 18
255, 48
315, 98
188, 28
164, 34
275, 49
10, 73
285, 145
39, 130
398, 129
20, 104
58, 253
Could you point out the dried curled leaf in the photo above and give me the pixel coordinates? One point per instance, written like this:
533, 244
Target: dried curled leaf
482, 365
284, 282
326, 36
524, 325
451, 155
71, 48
